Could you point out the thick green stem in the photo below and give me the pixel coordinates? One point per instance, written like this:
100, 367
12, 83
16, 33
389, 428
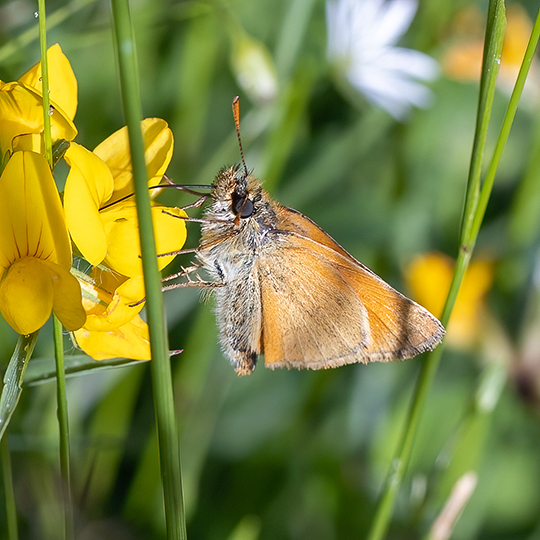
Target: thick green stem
169, 449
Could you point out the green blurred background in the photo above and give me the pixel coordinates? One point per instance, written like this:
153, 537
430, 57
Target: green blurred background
286, 454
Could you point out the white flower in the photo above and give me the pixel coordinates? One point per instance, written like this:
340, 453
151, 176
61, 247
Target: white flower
361, 41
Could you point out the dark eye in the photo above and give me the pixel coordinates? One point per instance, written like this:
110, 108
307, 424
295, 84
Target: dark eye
242, 205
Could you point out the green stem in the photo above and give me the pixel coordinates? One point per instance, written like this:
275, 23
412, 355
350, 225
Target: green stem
57, 332
495, 28
473, 213
63, 425
169, 449
292, 36
11, 509
45, 83
507, 125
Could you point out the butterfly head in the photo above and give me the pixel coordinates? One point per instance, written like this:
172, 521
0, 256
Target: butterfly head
237, 195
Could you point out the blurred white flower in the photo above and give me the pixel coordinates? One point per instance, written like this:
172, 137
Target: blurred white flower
361, 43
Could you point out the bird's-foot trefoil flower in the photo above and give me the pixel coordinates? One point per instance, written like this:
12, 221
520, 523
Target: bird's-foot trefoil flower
99, 214
102, 220
35, 253
362, 38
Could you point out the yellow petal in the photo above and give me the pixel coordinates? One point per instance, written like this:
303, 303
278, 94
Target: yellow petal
32, 288
26, 295
67, 302
158, 143
128, 341
88, 186
132, 290
31, 216
124, 252
105, 301
29, 142
21, 112
429, 276
63, 84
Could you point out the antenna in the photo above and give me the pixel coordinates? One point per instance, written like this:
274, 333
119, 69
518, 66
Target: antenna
236, 114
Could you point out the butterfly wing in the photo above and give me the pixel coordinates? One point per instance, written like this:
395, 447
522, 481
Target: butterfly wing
322, 308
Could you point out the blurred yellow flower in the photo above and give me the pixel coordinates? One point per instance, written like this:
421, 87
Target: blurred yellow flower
429, 277
35, 253
463, 59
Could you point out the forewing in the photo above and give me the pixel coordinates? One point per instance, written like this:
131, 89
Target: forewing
322, 308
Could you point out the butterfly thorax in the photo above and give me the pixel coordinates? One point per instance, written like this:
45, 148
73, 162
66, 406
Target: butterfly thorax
237, 223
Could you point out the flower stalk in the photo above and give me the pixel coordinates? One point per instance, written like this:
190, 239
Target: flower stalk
61, 396
63, 424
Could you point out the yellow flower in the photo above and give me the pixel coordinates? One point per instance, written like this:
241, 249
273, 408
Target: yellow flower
94, 188
63, 84
21, 113
35, 253
429, 277
128, 341
21, 105
158, 149
109, 299
113, 327
463, 59
102, 220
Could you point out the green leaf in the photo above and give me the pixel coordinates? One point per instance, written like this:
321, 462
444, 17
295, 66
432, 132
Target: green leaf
43, 369
13, 378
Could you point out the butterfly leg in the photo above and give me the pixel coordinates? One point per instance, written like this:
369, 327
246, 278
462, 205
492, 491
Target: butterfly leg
190, 282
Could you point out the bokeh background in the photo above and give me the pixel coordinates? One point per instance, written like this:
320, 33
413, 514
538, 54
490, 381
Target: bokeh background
287, 454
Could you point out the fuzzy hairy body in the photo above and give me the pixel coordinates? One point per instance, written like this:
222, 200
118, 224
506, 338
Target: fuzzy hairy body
229, 253
292, 293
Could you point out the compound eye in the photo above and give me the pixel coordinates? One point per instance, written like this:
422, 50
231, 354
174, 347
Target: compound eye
242, 206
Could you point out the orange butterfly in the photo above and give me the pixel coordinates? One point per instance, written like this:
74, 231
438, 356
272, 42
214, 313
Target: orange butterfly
287, 290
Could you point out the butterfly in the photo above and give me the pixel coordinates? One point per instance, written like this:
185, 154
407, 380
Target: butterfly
286, 290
